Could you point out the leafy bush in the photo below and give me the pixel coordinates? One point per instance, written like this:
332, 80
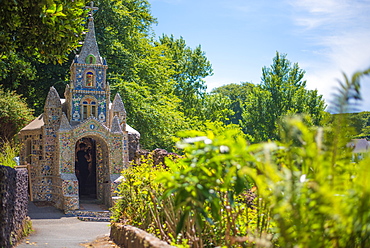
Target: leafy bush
14, 114
309, 192
183, 211
141, 204
8, 151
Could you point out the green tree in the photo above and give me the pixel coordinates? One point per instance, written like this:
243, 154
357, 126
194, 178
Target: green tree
47, 29
358, 121
14, 114
238, 94
34, 80
190, 67
155, 116
282, 92
213, 108
33, 33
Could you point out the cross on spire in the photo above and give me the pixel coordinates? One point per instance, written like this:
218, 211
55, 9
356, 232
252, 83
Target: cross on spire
92, 8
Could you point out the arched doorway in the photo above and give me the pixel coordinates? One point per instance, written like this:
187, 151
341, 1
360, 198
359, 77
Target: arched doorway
96, 184
85, 167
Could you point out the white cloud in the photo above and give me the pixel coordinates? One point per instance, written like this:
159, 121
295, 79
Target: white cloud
342, 32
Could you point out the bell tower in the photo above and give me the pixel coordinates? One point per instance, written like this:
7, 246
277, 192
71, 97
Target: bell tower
88, 93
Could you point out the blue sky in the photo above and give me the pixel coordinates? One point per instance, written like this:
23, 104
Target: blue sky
239, 37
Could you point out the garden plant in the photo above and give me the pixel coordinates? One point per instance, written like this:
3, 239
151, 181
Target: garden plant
302, 190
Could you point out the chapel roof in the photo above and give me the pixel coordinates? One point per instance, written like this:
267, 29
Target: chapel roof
35, 124
39, 122
129, 129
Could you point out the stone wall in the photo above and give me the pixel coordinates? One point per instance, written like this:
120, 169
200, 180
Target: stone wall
132, 237
157, 155
133, 145
13, 204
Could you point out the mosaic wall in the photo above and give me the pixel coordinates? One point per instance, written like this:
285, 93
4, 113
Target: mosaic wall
51, 149
100, 104
117, 154
99, 76
66, 154
102, 169
110, 151
93, 86
41, 172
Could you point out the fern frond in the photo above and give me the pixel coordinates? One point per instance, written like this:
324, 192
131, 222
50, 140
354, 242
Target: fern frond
348, 93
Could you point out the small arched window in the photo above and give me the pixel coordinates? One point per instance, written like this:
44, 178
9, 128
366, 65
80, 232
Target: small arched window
90, 59
89, 107
90, 78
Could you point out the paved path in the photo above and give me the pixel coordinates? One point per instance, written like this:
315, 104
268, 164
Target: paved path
53, 229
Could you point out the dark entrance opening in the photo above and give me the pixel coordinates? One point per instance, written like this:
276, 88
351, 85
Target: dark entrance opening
86, 167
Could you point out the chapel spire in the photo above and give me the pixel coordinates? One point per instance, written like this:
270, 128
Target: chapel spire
90, 52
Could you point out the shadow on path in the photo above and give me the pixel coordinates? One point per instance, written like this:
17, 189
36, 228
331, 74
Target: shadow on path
53, 229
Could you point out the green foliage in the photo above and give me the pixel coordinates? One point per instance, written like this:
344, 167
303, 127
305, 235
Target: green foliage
312, 190
211, 108
207, 187
310, 194
360, 123
238, 94
348, 90
46, 29
281, 93
15, 69
143, 189
141, 193
8, 151
190, 66
155, 116
14, 114
26, 227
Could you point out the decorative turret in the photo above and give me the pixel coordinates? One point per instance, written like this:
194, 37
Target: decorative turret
53, 99
64, 124
116, 127
118, 109
52, 109
88, 93
90, 52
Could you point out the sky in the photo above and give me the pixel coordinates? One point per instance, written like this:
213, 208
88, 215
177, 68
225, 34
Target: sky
239, 37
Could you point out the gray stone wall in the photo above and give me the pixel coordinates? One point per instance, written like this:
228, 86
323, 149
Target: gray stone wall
132, 237
134, 145
13, 204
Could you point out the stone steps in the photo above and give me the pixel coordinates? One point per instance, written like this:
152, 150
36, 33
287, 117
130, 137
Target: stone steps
97, 219
87, 215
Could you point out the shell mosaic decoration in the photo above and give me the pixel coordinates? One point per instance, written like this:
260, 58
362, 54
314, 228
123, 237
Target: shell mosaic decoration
86, 115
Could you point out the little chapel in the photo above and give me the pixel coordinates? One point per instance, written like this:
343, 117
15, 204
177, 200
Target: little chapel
80, 144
